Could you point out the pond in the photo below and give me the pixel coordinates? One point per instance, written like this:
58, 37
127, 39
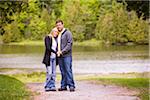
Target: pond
86, 59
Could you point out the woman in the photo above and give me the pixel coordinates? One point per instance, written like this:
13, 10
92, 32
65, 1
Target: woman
50, 59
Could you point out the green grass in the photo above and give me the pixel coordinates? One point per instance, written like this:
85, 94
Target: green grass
6, 69
40, 76
91, 42
24, 70
12, 89
12, 69
32, 77
28, 42
112, 75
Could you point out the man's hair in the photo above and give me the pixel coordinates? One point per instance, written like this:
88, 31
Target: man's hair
59, 21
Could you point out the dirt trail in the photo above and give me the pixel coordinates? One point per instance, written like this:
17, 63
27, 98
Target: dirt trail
84, 91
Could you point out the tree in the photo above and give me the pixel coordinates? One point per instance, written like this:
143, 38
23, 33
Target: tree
105, 20
118, 26
12, 33
7, 8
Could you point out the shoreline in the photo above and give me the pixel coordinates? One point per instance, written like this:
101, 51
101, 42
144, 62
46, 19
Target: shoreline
91, 42
81, 66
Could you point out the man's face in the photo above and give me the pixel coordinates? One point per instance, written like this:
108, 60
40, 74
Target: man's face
59, 26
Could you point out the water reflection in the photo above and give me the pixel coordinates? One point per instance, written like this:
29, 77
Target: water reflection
85, 52
86, 59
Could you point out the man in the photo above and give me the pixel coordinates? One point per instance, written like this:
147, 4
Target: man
65, 57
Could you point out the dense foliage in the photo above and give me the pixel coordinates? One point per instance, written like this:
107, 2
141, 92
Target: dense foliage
105, 20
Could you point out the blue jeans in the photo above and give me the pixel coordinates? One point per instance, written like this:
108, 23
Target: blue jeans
51, 74
65, 64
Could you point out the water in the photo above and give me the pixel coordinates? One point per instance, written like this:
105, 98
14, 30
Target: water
86, 59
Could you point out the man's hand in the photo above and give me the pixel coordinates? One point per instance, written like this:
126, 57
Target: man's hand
59, 53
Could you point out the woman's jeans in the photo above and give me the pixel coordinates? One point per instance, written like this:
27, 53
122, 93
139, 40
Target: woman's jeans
51, 74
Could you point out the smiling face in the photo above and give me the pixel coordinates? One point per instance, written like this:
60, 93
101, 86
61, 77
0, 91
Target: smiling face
55, 32
60, 26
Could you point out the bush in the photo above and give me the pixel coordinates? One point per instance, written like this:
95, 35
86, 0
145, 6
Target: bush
12, 33
37, 27
120, 26
138, 29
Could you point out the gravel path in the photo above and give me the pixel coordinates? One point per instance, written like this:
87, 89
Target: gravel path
84, 91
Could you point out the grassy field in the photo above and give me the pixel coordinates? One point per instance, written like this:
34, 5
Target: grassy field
12, 89
134, 81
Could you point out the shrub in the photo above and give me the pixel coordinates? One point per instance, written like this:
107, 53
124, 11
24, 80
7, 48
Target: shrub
12, 33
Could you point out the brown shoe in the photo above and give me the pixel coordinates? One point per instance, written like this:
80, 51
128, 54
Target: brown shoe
62, 89
72, 89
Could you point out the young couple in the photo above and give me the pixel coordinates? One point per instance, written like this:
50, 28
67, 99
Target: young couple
58, 50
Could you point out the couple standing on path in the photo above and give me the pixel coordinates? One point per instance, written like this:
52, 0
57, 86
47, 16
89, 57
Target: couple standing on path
58, 50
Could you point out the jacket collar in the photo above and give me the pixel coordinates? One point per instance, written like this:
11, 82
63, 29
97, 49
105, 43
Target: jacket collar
63, 31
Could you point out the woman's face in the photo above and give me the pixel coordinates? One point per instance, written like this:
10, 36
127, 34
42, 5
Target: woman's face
55, 33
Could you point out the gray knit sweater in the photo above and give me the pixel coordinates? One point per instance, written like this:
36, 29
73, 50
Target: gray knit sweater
66, 43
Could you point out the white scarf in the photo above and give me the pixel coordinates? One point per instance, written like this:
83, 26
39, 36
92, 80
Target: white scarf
59, 40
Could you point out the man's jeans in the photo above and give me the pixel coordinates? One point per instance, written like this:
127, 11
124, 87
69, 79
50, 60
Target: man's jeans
51, 74
65, 64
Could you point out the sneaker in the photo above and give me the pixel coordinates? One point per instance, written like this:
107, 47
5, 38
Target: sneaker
62, 89
52, 89
47, 89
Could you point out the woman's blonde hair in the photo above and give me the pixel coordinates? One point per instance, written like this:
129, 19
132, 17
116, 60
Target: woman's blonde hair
54, 29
